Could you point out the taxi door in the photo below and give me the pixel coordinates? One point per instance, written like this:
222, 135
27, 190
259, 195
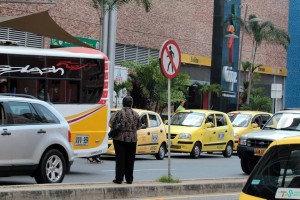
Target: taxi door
143, 135
221, 132
209, 133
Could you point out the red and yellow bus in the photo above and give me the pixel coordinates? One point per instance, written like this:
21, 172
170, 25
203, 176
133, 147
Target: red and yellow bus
75, 80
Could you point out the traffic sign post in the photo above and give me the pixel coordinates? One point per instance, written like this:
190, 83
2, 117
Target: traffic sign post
170, 60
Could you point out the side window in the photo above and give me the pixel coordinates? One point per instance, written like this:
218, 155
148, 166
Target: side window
154, 120
144, 120
257, 119
221, 120
265, 118
210, 119
22, 113
46, 115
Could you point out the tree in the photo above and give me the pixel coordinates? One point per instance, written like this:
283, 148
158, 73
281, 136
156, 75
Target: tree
150, 83
258, 101
118, 87
103, 6
209, 89
110, 4
259, 33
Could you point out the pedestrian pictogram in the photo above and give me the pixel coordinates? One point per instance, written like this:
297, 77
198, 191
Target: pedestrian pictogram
170, 59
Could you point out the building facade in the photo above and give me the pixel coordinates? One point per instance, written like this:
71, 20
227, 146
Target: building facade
189, 23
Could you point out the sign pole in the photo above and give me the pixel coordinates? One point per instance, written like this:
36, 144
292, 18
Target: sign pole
169, 60
169, 128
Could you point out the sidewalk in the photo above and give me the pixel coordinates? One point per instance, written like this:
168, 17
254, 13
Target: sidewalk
93, 191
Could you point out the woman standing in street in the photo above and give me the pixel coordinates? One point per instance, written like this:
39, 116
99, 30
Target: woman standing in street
125, 141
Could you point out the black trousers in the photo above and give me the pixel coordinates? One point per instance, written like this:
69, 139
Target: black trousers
125, 156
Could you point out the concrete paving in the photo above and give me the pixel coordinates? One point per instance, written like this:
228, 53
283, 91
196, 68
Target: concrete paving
96, 191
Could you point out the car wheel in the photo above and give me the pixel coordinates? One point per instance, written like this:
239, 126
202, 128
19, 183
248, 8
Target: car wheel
247, 165
161, 152
52, 167
227, 153
196, 151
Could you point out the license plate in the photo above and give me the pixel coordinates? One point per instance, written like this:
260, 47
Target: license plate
259, 151
82, 140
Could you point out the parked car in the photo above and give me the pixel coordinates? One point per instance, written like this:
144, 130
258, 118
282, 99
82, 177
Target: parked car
253, 145
277, 174
151, 138
247, 121
35, 140
196, 131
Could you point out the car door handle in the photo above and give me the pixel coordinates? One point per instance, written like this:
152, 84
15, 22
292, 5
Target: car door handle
161, 130
41, 131
148, 133
5, 132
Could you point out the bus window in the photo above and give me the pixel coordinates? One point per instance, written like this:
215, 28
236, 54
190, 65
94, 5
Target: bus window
75, 80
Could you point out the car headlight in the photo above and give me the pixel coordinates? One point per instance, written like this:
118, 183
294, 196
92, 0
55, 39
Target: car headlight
184, 136
236, 136
243, 141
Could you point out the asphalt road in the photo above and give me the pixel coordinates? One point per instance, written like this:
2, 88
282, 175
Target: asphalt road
208, 166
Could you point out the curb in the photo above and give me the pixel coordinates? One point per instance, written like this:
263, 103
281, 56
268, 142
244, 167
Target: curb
93, 191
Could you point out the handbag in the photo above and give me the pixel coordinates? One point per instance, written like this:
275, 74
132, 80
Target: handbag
115, 130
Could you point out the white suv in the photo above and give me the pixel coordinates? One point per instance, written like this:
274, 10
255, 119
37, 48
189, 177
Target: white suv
35, 140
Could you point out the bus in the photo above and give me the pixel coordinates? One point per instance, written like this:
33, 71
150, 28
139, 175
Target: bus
73, 79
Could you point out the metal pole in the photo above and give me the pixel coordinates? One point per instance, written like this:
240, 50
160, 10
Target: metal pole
169, 128
111, 50
240, 60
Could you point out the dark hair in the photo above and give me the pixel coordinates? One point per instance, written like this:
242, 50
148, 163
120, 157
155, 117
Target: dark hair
127, 101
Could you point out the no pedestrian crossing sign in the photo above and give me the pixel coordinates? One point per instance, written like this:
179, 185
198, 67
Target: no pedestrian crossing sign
170, 59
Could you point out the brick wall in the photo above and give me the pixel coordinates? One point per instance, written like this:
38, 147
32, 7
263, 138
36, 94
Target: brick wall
188, 22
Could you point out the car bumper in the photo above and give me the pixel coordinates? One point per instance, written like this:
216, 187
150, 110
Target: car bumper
245, 152
182, 146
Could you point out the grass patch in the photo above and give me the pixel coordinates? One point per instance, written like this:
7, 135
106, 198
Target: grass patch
167, 179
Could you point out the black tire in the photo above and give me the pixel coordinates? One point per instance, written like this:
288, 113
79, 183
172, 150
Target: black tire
227, 153
196, 151
52, 167
247, 165
161, 152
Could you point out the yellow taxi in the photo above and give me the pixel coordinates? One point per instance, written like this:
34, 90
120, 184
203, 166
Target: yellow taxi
247, 121
277, 174
151, 137
196, 131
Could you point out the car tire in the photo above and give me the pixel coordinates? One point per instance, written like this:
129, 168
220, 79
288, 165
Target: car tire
196, 151
52, 167
227, 153
161, 152
247, 165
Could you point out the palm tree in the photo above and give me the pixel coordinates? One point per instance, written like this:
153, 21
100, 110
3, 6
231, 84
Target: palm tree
260, 32
103, 6
209, 89
118, 87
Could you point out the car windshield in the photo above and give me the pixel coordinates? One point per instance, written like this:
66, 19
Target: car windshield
284, 121
241, 120
277, 172
187, 119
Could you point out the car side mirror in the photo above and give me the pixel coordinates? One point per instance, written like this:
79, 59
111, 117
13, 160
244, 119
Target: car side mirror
144, 126
166, 122
254, 125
